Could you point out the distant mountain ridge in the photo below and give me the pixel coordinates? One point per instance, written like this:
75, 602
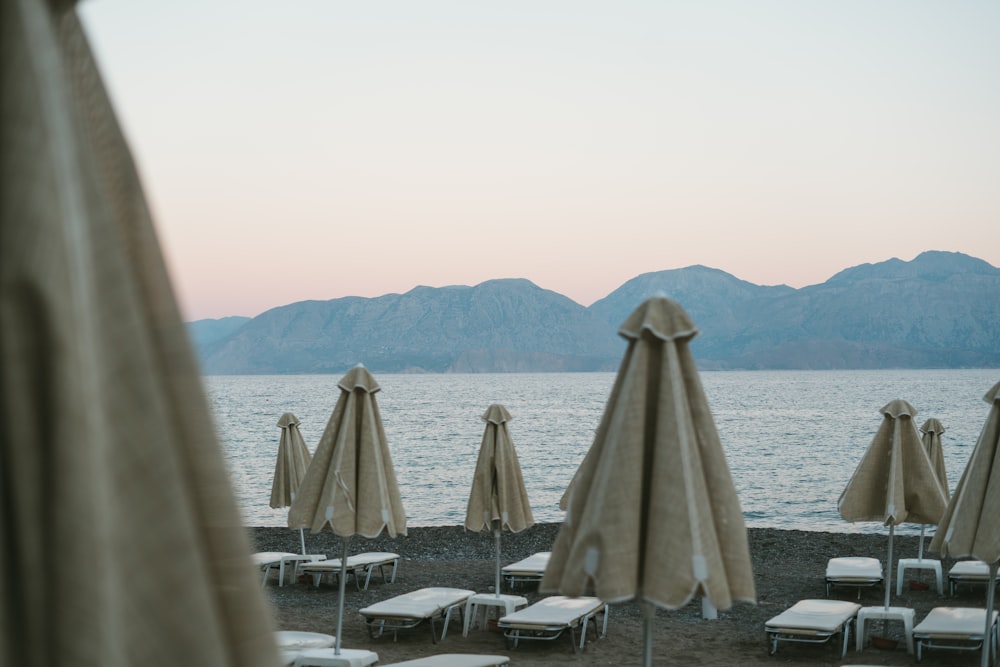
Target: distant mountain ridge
939, 310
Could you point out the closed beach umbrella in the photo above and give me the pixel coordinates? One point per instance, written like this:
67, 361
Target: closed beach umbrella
290, 468
970, 527
930, 435
350, 483
894, 482
653, 515
498, 499
122, 540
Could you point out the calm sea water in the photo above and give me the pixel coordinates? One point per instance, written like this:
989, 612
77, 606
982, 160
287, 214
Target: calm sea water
792, 438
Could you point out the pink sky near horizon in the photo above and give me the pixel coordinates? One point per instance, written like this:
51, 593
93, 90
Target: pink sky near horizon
319, 150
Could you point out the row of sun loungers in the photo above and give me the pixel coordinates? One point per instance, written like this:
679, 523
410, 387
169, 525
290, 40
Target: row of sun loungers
547, 619
358, 565
818, 621
861, 572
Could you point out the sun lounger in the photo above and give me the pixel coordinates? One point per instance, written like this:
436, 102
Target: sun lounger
266, 560
856, 571
291, 643
813, 622
550, 617
956, 628
411, 609
364, 563
328, 657
455, 660
967, 572
528, 570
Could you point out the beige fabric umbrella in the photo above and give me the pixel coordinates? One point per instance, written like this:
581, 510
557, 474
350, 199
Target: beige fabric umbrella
350, 483
653, 515
894, 482
290, 468
930, 435
498, 499
110, 457
969, 527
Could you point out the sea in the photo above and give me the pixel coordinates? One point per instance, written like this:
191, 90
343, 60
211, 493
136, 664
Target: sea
792, 439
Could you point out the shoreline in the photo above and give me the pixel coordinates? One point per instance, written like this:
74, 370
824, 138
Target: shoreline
788, 565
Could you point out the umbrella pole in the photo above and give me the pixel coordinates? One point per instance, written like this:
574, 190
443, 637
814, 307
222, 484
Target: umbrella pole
649, 614
920, 550
496, 535
302, 539
340, 601
990, 603
888, 579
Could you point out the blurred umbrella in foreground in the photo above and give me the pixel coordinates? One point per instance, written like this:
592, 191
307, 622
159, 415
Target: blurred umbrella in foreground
970, 528
350, 483
498, 499
290, 467
110, 457
652, 513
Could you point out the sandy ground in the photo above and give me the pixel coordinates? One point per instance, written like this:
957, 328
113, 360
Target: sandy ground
788, 566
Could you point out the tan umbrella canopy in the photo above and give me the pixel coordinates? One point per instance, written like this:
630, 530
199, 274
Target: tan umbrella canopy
930, 435
110, 457
290, 468
498, 499
653, 515
969, 527
894, 482
350, 483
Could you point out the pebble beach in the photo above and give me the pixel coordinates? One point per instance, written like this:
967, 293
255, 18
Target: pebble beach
789, 566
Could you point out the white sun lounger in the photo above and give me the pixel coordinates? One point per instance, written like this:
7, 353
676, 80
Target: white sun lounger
266, 560
291, 643
857, 571
550, 617
813, 622
455, 660
411, 609
528, 570
365, 563
956, 628
967, 572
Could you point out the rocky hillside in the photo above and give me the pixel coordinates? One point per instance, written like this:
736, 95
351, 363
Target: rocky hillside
939, 310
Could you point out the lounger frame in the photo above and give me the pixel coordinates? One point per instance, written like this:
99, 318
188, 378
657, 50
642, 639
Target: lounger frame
810, 636
515, 631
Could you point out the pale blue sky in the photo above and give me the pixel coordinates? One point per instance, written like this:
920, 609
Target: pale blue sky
318, 149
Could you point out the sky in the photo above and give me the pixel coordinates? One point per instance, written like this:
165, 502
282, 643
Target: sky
317, 149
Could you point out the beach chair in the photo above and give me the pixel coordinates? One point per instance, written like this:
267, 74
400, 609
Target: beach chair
550, 617
813, 622
853, 571
411, 609
291, 643
528, 570
454, 660
268, 560
967, 572
364, 563
957, 629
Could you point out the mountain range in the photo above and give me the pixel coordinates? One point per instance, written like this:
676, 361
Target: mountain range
939, 310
